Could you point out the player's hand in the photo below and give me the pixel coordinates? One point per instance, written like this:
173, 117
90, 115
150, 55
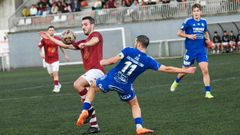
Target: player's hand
81, 45
44, 35
193, 36
209, 44
42, 55
191, 70
102, 62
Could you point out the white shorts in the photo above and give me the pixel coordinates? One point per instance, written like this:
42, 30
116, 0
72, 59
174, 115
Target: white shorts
92, 75
54, 67
225, 43
232, 42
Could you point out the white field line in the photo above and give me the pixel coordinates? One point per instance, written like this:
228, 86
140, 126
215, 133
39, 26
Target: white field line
71, 94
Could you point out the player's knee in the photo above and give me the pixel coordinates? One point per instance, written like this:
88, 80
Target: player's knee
77, 86
205, 71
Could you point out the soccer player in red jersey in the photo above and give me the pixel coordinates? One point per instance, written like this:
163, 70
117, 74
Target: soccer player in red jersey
92, 52
50, 55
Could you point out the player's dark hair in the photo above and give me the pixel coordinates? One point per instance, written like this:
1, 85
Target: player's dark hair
215, 32
49, 27
91, 20
196, 5
144, 40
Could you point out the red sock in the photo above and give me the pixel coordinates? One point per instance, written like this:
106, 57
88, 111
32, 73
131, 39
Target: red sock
55, 82
83, 94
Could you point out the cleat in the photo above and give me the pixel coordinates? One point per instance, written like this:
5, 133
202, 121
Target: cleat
173, 86
92, 130
141, 131
57, 88
89, 116
209, 95
82, 118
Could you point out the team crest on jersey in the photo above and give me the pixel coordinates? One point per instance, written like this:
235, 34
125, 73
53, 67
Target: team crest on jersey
194, 24
51, 50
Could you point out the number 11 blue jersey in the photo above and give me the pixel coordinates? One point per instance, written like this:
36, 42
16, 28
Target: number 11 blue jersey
121, 77
132, 64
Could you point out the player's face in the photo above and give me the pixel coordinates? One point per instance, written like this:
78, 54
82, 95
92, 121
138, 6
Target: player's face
51, 31
196, 13
87, 27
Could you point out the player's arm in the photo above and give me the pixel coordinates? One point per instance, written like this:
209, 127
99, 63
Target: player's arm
93, 41
41, 50
110, 61
170, 69
207, 37
65, 54
41, 53
56, 41
182, 34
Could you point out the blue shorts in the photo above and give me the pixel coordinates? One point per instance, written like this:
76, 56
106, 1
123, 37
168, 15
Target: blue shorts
125, 92
189, 57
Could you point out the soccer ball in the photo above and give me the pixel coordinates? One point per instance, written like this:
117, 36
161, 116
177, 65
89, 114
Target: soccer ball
68, 37
209, 44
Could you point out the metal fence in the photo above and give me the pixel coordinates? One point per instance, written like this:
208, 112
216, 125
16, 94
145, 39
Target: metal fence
124, 14
166, 48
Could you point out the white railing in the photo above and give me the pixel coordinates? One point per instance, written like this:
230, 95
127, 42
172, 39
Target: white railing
125, 14
166, 48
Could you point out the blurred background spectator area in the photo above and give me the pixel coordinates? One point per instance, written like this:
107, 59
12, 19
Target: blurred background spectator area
69, 12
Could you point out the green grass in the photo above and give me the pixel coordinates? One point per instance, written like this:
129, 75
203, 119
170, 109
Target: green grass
28, 107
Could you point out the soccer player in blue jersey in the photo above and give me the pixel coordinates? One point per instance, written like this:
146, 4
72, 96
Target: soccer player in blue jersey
131, 63
195, 31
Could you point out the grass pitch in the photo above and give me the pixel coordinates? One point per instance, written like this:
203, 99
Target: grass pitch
28, 106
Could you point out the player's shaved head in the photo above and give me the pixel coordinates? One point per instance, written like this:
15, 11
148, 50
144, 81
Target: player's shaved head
143, 40
91, 20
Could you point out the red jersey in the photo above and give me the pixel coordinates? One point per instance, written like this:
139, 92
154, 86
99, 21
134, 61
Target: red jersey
50, 49
92, 55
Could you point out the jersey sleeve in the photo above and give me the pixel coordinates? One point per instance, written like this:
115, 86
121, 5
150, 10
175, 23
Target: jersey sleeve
75, 44
154, 65
184, 25
123, 53
206, 28
97, 35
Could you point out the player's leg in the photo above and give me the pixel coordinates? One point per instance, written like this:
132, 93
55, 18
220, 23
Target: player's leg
87, 104
238, 46
81, 85
225, 46
55, 69
136, 113
206, 79
188, 60
50, 72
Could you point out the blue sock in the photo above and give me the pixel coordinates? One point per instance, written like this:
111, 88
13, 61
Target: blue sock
138, 122
178, 80
207, 88
86, 106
